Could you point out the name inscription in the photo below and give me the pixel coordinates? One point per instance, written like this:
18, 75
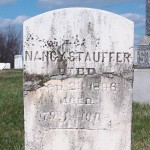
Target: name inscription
100, 57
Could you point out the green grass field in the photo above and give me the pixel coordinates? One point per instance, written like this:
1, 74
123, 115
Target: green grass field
11, 111
12, 122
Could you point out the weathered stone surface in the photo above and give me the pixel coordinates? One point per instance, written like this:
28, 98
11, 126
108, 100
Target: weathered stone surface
2, 66
5, 66
148, 17
143, 52
78, 80
18, 62
141, 86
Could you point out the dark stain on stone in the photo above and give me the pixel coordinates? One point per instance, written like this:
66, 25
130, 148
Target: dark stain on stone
33, 82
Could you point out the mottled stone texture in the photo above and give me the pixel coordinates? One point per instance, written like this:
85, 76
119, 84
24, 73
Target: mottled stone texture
18, 63
78, 80
141, 86
148, 17
143, 52
143, 55
5, 66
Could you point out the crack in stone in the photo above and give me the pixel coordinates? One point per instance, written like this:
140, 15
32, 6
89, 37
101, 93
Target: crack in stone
34, 82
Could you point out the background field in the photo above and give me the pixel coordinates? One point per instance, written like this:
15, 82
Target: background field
12, 122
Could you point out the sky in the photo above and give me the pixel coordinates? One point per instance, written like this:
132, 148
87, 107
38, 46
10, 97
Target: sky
17, 11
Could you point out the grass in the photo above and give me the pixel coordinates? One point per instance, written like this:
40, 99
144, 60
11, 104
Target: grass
141, 127
11, 111
12, 122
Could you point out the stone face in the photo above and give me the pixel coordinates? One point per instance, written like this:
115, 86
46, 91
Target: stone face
2, 66
78, 80
18, 63
143, 52
148, 17
141, 86
5, 66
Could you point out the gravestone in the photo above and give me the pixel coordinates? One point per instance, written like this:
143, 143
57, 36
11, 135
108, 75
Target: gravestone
141, 86
78, 80
5, 66
2, 66
18, 62
143, 52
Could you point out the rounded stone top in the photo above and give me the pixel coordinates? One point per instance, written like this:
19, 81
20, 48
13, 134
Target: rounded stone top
79, 9
78, 41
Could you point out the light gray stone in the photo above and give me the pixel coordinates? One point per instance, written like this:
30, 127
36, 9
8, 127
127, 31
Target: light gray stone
143, 52
2, 66
78, 80
141, 86
5, 66
18, 62
148, 17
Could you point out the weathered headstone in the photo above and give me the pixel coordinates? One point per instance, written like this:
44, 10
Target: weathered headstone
147, 17
141, 86
5, 66
2, 66
78, 80
143, 52
18, 62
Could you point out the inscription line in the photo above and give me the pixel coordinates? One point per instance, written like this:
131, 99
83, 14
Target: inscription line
77, 129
